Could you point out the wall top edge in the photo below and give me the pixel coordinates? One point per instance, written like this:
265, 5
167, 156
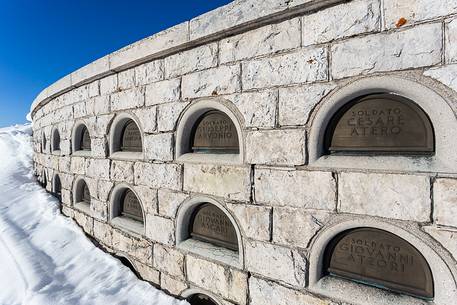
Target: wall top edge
234, 18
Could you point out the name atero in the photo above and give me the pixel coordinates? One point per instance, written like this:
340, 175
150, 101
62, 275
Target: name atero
376, 122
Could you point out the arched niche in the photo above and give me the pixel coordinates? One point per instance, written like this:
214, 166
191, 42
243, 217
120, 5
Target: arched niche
126, 137
427, 104
55, 141
196, 296
127, 262
43, 181
196, 230
210, 130
57, 187
82, 195
126, 209
81, 140
43, 142
360, 276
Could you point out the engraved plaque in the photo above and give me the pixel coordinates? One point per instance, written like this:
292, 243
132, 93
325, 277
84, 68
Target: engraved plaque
215, 132
131, 206
85, 194
57, 188
200, 299
85, 140
131, 137
211, 225
381, 123
382, 259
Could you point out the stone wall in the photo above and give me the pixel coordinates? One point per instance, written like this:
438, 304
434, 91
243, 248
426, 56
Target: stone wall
279, 69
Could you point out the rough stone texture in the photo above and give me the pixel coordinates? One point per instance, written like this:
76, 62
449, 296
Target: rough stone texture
98, 168
296, 103
171, 285
122, 171
137, 248
127, 99
86, 222
168, 114
230, 284
445, 202
295, 227
254, 220
447, 75
451, 41
385, 195
104, 188
103, 233
197, 59
412, 48
276, 262
99, 210
169, 260
158, 175
149, 72
312, 190
277, 147
230, 182
147, 118
304, 66
169, 202
447, 237
159, 147
148, 198
163, 92
257, 108
216, 81
362, 16
126, 79
108, 84
160, 229
268, 293
78, 165
416, 10
147, 273
265, 40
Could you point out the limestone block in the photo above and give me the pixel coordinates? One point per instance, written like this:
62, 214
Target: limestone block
404, 197
445, 202
297, 103
451, 41
228, 283
122, 171
103, 233
254, 220
63, 114
78, 165
302, 189
148, 198
158, 175
99, 147
149, 72
257, 108
138, 248
169, 202
215, 81
79, 94
296, 227
416, 10
79, 110
104, 188
446, 237
91, 70
303, 66
126, 79
160, 229
93, 88
109, 85
265, 40
445, 75
168, 114
360, 16
159, 147
412, 48
147, 273
92, 185
66, 181
65, 147
98, 126
128, 99
195, 59
280, 147
171, 285
148, 118
169, 260
85, 222
67, 211
276, 262
98, 105
99, 210
67, 198
225, 181
263, 292
166, 91
98, 168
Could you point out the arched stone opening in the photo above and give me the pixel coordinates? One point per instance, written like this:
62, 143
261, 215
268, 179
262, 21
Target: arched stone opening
43, 142
55, 141
126, 209
197, 296
82, 196
57, 187
126, 137
81, 140
128, 263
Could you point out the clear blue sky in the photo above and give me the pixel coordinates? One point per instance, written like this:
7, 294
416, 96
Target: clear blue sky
43, 40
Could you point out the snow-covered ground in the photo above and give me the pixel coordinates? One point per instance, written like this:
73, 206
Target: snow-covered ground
45, 259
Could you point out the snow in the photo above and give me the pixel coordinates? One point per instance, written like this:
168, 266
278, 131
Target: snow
45, 258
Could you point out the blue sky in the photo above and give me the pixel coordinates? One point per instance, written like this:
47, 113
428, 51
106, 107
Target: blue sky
43, 40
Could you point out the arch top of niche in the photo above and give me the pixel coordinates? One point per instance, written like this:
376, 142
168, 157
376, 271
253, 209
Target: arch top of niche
438, 110
116, 132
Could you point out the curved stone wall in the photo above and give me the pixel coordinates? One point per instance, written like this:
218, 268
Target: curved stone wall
279, 71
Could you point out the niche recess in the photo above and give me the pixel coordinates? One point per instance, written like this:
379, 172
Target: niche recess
126, 139
126, 209
82, 195
55, 141
43, 142
81, 140
57, 187
201, 299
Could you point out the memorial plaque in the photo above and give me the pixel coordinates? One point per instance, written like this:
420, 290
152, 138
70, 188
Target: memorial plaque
85, 140
211, 225
381, 123
57, 188
131, 206
85, 194
381, 259
131, 137
215, 132
200, 299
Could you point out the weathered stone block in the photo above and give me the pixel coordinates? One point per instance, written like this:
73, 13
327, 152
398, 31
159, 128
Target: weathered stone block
104, 188
147, 273
98, 168
216, 81
132, 98
93, 88
169, 260
280, 147
446, 237
451, 41
160, 229
163, 92
140, 249
85, 222
98, 105
79, 110
311, 190
257, 108
404, 197
225, 181
195, 59
122, 171
99, 147
304, 66
158, 175
99, 210
168, 114
78, 165
159, 147
148, 118
228, 283
103, 233
344, 20
276, 262
169, 202
445, 201
412, 48
445, 75
254, 220
148, 197
265, 40
171, 285
108, 85
149, 72
126, 79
